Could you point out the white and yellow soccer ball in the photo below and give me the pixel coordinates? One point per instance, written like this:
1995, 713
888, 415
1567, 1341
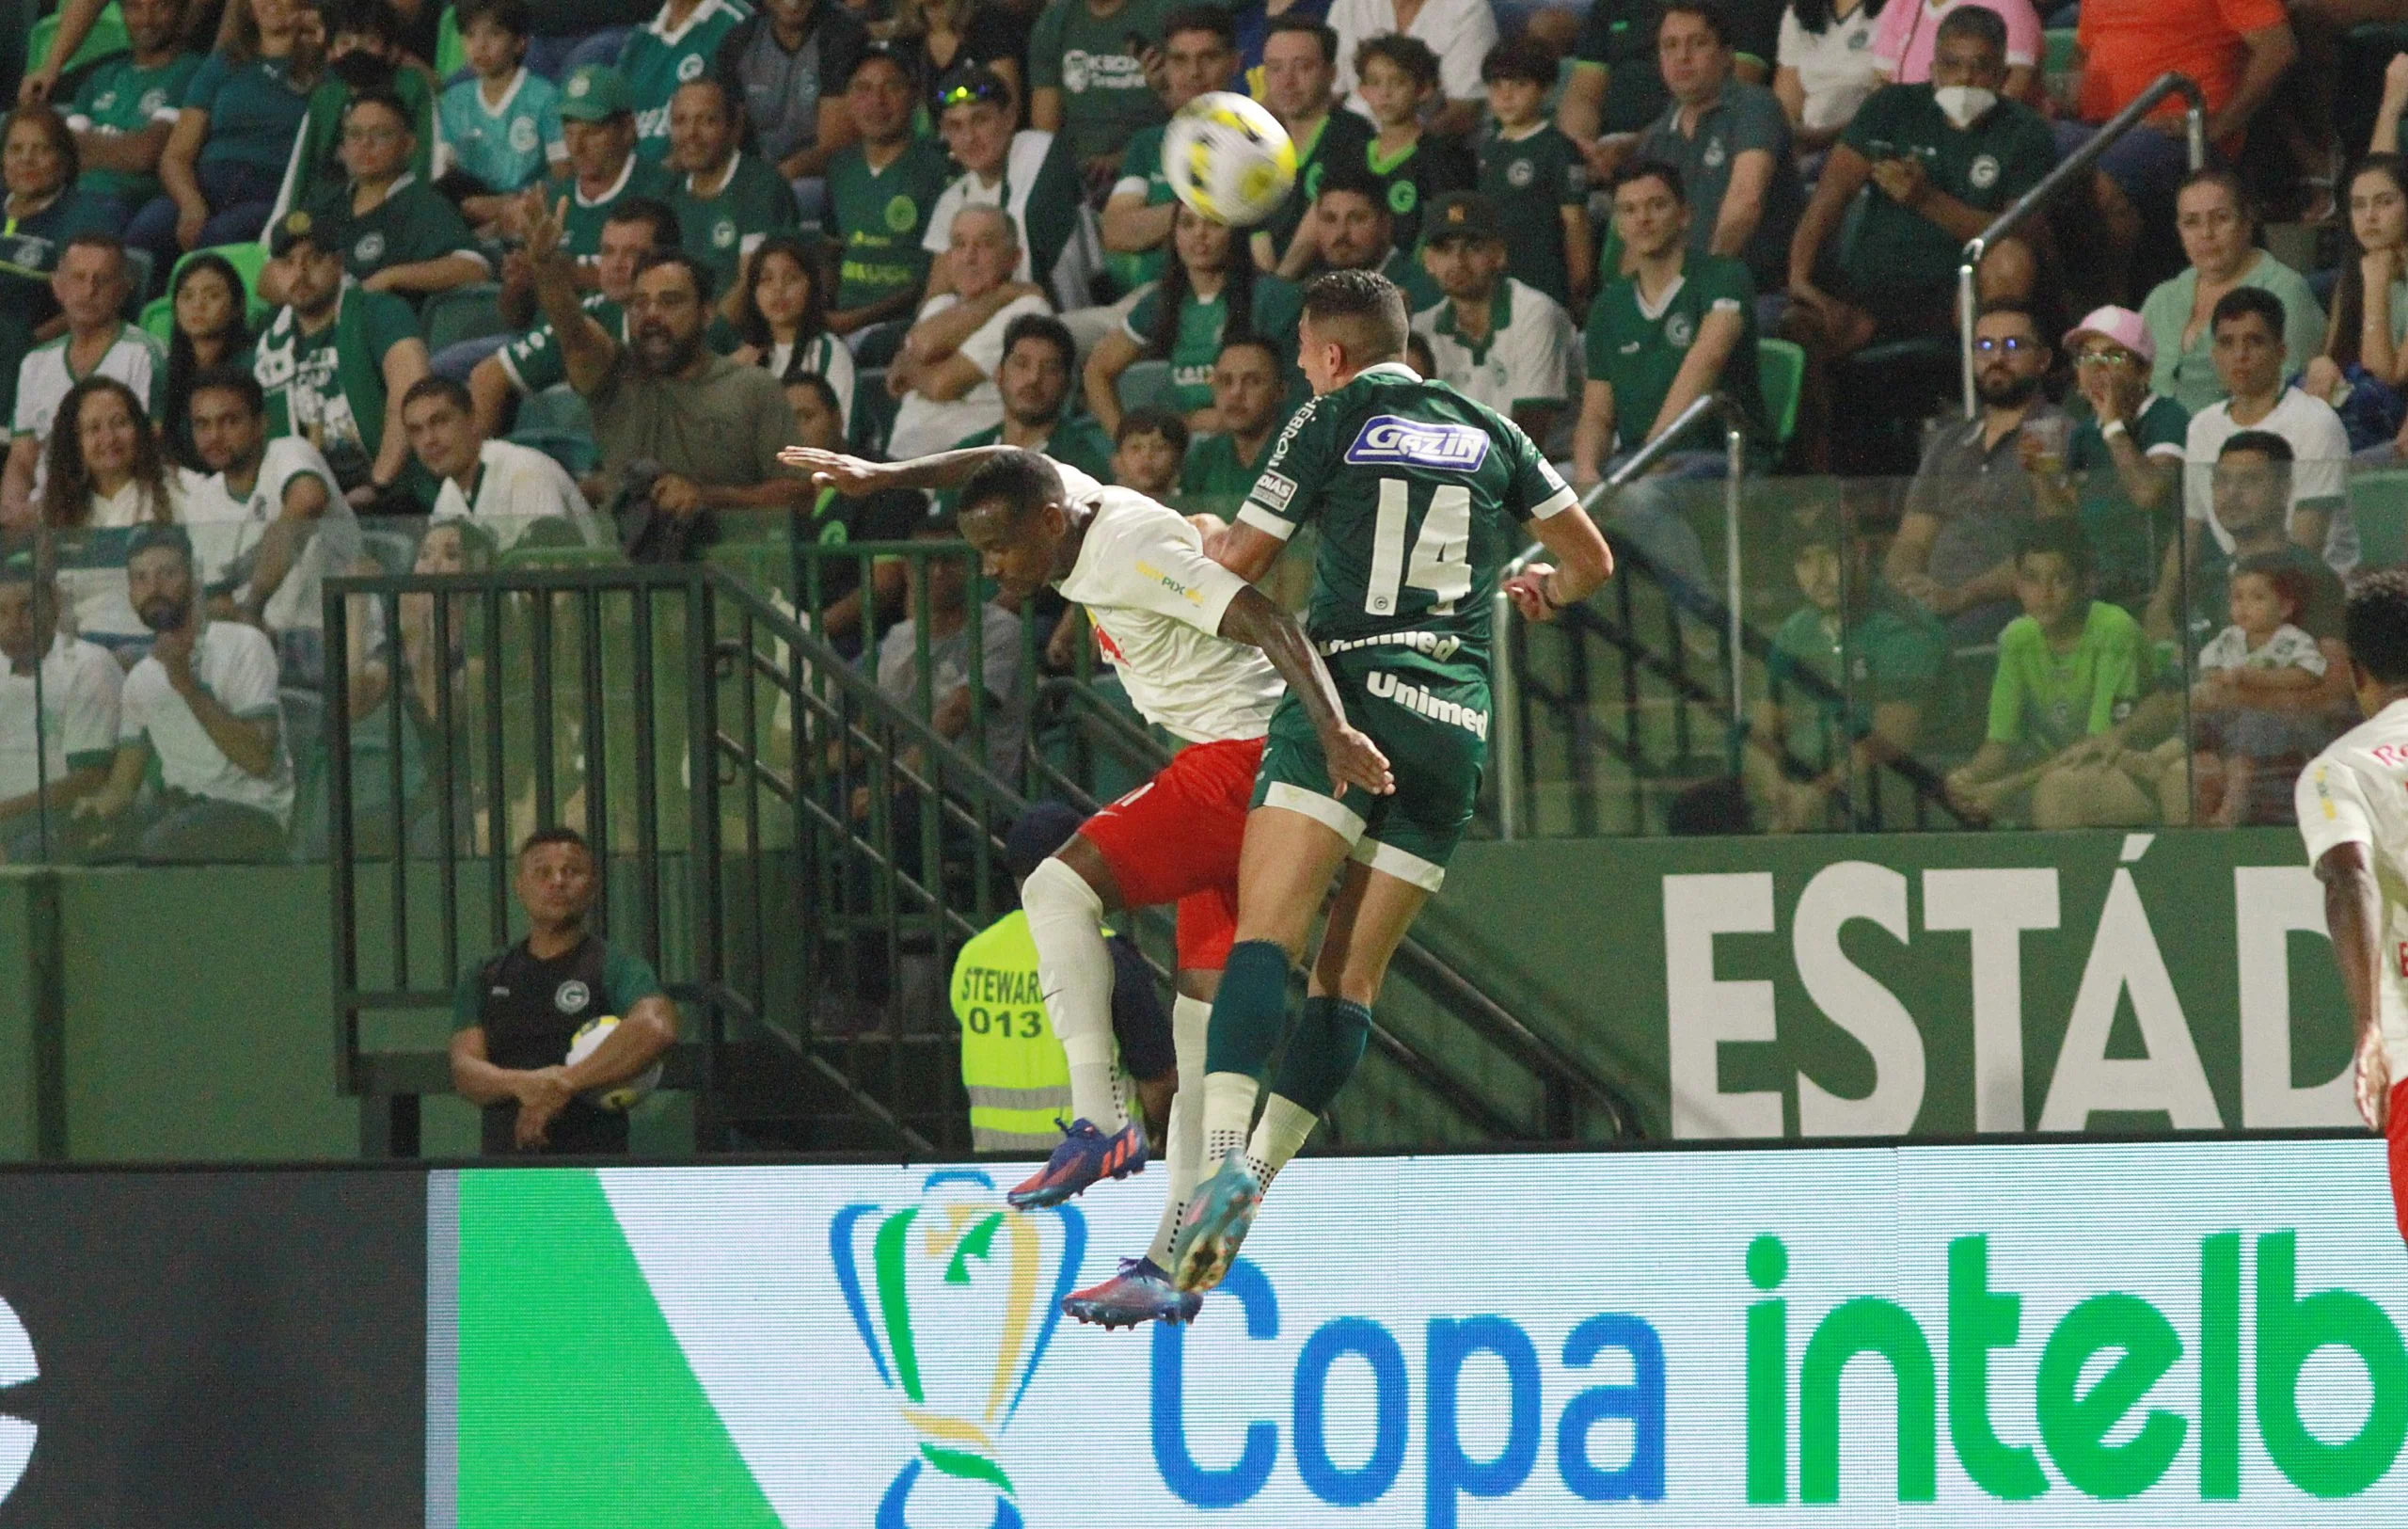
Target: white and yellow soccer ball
1229, 158
620, 1097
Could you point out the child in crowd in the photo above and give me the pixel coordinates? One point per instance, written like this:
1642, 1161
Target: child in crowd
2250, 754
1400, 77
501, 127
1149, 451
1536, 178
2073, 673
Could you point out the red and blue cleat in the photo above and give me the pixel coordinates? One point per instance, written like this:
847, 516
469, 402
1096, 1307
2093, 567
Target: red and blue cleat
1085, 1156
1141, 1292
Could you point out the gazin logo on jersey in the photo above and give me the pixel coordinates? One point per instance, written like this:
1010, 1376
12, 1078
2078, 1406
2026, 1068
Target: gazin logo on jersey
1385, 438
960, 1303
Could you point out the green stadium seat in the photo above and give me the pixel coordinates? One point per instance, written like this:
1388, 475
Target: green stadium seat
1145, 385
874, 410
574, 450
451, 56
2057, 55
2379, 504
107, 37
469, 313
1780, 373
557, 409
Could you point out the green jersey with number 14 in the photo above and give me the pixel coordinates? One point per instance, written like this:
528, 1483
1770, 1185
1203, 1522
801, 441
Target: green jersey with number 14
1418, 495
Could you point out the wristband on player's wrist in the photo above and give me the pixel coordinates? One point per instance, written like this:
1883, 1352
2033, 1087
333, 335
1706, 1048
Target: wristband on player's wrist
1547, 596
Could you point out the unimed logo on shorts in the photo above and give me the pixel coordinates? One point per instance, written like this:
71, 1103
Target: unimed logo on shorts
1421, 443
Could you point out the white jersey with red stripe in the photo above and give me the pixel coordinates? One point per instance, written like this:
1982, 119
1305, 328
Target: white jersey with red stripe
1157, 602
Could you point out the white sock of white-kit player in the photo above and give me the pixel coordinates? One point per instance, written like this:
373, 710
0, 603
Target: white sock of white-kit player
1066, 919
1184, 1154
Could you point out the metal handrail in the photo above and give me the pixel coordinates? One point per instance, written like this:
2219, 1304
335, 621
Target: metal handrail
1506, 699
2068, 170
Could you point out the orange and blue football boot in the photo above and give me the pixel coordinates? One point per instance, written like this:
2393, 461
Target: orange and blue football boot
1085, 1156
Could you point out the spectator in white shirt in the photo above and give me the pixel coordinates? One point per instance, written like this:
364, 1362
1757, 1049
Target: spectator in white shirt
944, 374
1826, 68
103, 474
202, 705
1460, 32
1497, 340
90, 283
504, 486
51, 758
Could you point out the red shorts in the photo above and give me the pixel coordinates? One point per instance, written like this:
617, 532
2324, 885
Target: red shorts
1176, 839
2396, 1131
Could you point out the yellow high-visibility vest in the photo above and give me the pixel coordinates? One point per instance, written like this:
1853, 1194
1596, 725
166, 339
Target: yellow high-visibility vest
1012, 1065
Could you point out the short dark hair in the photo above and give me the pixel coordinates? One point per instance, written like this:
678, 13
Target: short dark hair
2267, 444
2228, 182
512, 16
1416, 58
888, 54
1044, 326
1717, 20
1153, 420
2243, 301
432, 386
1368, 303
705, 288
819, 385
103, 239
2289, 580
2058, 537
237, 380
1321, 32
1253, 342
665, 234
1211, 19
374, 17
1524, 57
729, 101
2017, 307
385, 99
1650, 169
2375, 625
1020, 481
1982, 24
557, 834
1357, 178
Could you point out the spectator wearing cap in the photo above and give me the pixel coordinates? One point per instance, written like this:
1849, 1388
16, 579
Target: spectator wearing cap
1012, 1066
786, 67
202, 706
335, 362
91, 286
597, 121
1536, 178
1943, 159
501, 485
365, 56
1299, 75
2122, 472
1497, 340
226, 156
678, 44
944, 375
705, 430
881, 192
1199, 55
1209, 293
1351, 230
1249, 405
50, 759
1086, 78
1729, 139
1034, 379
1030, 174
1458, 32
729, 200
405, 236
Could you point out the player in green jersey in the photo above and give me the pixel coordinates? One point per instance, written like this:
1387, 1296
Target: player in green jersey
1421, 498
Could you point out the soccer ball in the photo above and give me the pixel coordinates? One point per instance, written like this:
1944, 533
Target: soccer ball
1229, 158
620, 1097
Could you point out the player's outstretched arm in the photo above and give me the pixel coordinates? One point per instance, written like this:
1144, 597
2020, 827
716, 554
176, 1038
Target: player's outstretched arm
853, 476
1351, 757
1582, 563
2352, 913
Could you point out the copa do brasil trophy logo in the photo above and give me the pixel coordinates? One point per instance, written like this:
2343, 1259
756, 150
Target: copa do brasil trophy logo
955, 1298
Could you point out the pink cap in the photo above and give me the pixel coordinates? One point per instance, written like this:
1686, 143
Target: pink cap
2120, 325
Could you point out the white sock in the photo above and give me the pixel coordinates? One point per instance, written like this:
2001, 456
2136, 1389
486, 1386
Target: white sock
1228, 1114
1184, 1152
1279, 1135
1066, 920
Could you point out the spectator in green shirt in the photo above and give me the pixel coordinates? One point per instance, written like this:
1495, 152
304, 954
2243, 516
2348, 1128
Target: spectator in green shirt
880, 194
226, 156
729, 200
365, 56
1249, 403
1850, 675
1616, 86
1730, 140
597, 122
1199, 55
1399, 78
1299, 75
1536, 178
2071, 671
1086, 77
406, 237
2121, 474
2218, 223
1943, 159
126, 107
1351, 230
1209, 294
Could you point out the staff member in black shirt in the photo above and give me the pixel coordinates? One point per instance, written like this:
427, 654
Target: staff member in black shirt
517, 1012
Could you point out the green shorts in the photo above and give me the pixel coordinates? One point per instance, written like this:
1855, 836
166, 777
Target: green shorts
1430, 719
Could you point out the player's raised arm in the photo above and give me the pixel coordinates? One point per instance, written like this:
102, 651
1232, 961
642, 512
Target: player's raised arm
853, 476
1352, 757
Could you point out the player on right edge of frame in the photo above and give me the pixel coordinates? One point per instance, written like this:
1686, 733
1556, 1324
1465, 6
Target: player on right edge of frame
1419, 495
2352, 804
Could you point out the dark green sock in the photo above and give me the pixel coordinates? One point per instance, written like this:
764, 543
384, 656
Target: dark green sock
1321, 1057
1249, 1011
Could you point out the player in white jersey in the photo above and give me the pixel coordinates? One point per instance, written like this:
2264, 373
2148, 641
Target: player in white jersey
2352, 803
1206, 657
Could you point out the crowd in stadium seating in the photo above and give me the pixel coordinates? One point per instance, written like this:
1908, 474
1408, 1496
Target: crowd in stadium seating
283, 274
